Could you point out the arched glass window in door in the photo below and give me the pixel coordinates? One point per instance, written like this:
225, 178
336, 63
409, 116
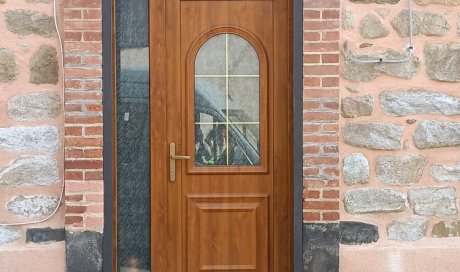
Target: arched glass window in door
227, 90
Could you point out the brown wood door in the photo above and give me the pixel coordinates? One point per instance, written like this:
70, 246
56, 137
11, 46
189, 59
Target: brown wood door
221, 93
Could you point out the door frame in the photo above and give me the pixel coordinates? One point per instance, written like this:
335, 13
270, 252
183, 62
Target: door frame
109, 124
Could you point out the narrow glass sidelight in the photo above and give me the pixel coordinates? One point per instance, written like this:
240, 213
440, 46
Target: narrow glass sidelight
133, 135
227, 90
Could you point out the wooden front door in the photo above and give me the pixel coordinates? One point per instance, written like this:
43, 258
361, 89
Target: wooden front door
221, 135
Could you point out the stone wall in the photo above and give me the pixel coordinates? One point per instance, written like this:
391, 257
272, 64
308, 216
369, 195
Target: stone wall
31, 130
400, 128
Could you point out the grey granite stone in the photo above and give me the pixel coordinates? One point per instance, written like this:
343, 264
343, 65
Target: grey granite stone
371, 27
357, 106
434, 134
365, 201
355, 169
443, 61
374, 135
409, 229
433, 201
44, 66
34, 106
425, 23
8, 67
400, 170
32, 206
26, 22
35, 139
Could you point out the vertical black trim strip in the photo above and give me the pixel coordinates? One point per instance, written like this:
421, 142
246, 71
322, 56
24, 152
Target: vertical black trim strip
107, 73
297, 133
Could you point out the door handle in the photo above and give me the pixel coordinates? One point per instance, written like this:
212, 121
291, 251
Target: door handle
172, 161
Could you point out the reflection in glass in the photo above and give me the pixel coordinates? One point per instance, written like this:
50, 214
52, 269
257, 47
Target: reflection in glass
227, 102
133, 148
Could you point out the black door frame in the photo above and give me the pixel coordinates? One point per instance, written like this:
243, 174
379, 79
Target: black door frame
108, 121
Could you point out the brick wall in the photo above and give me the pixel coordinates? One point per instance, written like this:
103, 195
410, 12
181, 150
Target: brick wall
321, 110
83, 114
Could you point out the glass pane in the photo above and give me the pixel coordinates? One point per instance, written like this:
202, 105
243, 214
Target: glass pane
242, 57
210, 59
227, 102
242, 94
133, 148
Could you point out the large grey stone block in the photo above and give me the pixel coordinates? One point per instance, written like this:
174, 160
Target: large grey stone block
433, 201
355, 169
443, 61
440, 2
400, 170
446, 173
34, 106
32, 206
30, 171
374, 135
38, 139
371, 27
434, 134
320, 247
8, 67
348, 19
8, 235
357, 233
44, 66
418, 101
410, 229
363, 201
367, 72
26, 22
425, 23
444, 229
357, 106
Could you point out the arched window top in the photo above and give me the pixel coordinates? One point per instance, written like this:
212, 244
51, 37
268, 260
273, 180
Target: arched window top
227, 54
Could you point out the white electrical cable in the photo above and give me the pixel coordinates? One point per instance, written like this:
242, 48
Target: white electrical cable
410, 48
62, 175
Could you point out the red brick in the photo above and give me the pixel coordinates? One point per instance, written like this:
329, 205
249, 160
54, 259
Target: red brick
74, 198
320, 138
94, 107
82, 25
321, 4
330, 58
75, 209
321, 205
321, 70
94, 222
97, 175
311, 194
72, 84
92, 14
331, 194
330, 149
330, 127
83, 47
319, 25
321, 116
97, 60
330, 14
331, 105
93, 85
331, 172
311, 127
73, 131
73, 107
323, 93
86, 164
74, 153
311, 172
82, 72
330, 82
92, 36
311, 14
83, 187
73, 175
311, 36
82, 95
83, 4
311, 58
83, 142
331, 216
93, 131
72, 36
72, 14
311, 216
71, 220
312, 81
92, 153
83, 119
95, 198
329, 36
95, 209
311, 149
320, 160
321, 47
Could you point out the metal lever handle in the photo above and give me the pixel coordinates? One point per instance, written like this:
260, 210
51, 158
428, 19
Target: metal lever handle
172, 161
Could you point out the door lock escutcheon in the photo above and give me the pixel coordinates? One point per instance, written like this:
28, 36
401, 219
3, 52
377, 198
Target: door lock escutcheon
172, 161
